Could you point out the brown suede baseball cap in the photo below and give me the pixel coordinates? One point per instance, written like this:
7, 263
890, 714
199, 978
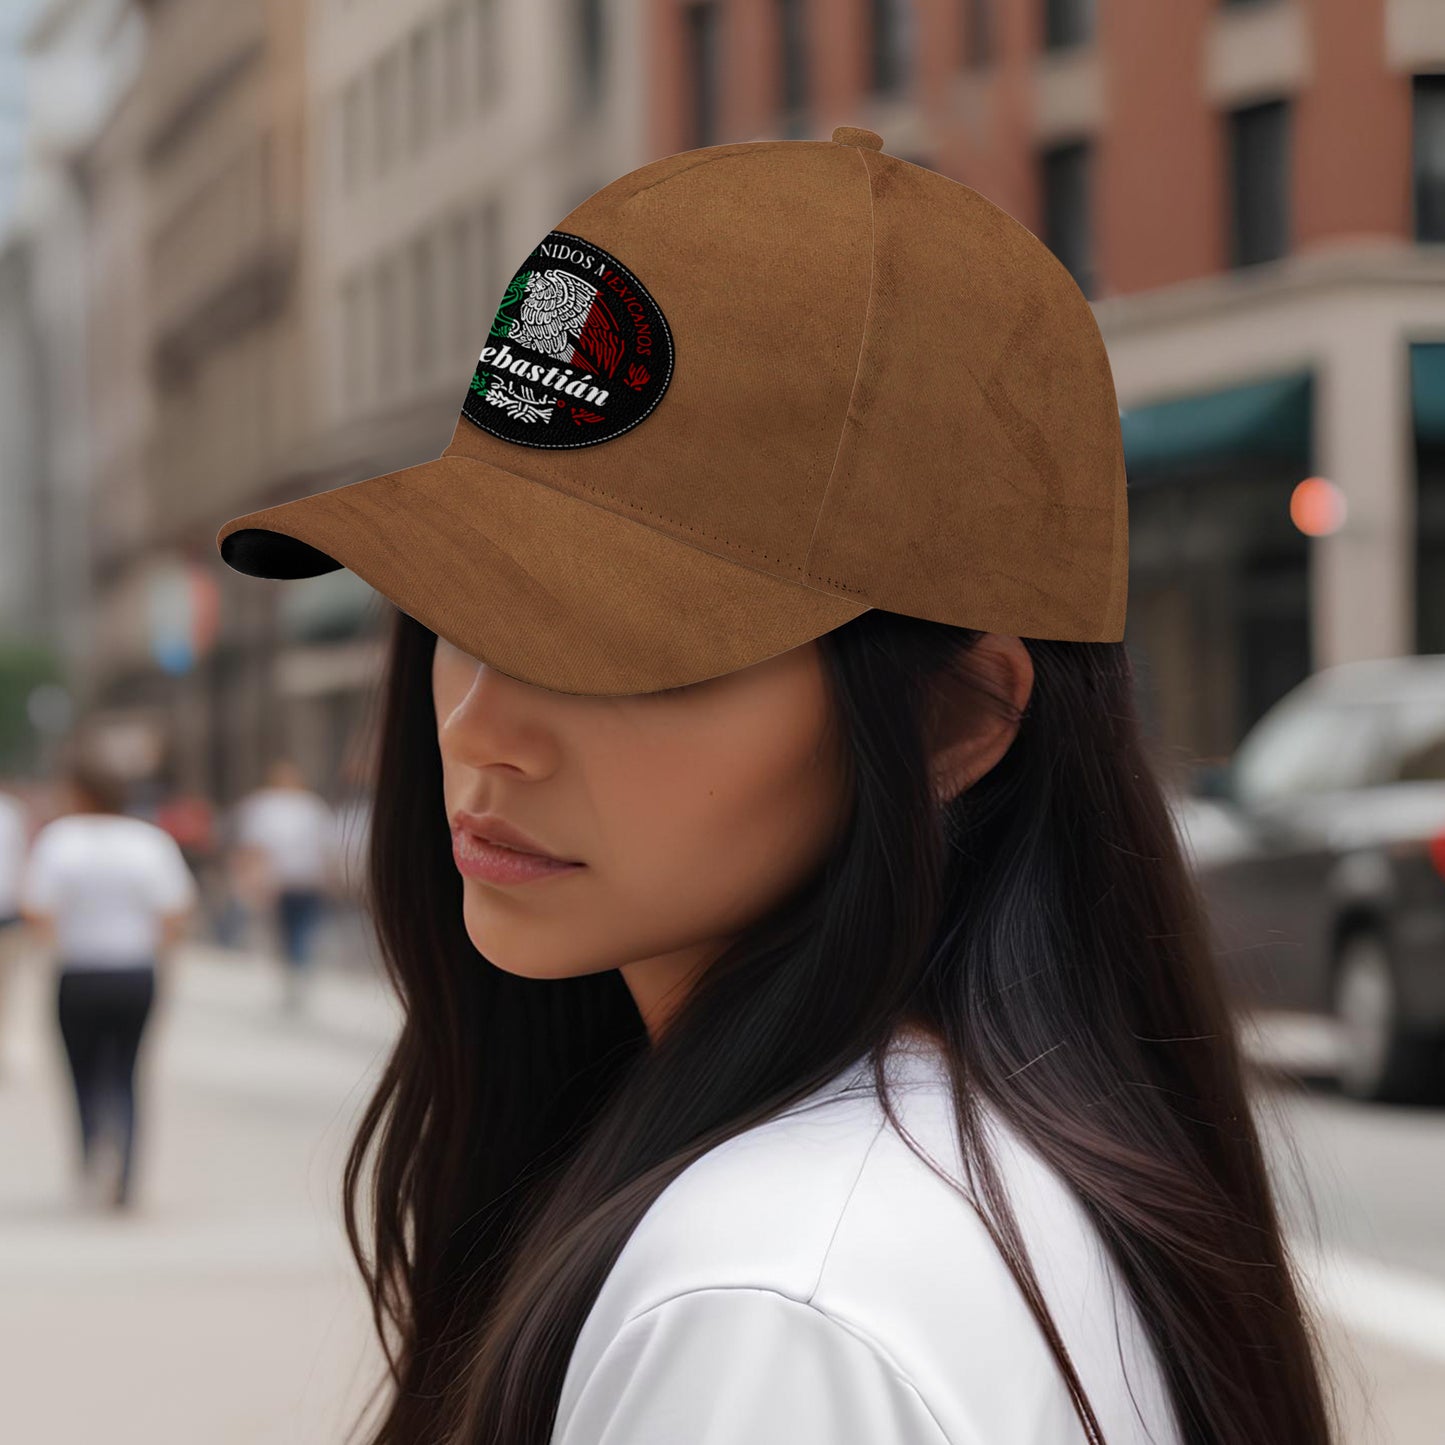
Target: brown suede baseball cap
736, 398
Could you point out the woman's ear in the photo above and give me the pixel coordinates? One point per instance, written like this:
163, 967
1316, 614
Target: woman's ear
966, 736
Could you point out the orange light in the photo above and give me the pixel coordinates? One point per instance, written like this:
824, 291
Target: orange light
1317, 507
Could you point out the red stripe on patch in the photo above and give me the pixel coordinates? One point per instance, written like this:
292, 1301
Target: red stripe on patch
599, 344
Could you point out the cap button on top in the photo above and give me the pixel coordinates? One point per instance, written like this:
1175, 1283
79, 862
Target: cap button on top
852, 135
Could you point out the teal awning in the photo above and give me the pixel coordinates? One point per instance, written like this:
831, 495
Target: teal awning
1427, 390
1268, 418
327, 608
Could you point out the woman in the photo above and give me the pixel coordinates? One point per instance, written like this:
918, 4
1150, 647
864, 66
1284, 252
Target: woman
810, 1032
111, 893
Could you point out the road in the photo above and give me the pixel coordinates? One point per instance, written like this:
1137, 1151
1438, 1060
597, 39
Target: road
1361, 1188
226, 1307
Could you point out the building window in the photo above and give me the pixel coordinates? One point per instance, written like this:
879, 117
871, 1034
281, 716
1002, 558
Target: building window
1429, 157
591, 53
475, 280
353, 346
484, 41
353, 134
793, 64
420, 87
489, 249
385, 85
423, 308
454, 60
1068, 23
1259, 183
977, 33
462, 288
387, 333
703, 64
892, 31
1068, 229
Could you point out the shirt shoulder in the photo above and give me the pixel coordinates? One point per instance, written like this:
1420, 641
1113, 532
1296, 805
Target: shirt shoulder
37, 875
172, 885
829, 1207
757, 1210
58, 847
54, 828
745, 1366
793, 1204
55, 839
149, 839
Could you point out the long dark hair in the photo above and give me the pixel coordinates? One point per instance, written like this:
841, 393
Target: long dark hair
1043, 925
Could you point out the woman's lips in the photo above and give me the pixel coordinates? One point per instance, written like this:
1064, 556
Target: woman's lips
491, 862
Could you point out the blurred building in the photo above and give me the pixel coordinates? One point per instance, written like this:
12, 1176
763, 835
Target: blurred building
22, 602
79, 54
19, 587
127, 684
446, 138
224, 171
258, 243
263, 242
1252, 192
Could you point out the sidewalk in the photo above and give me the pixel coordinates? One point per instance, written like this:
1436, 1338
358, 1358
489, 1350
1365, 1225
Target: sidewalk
226, 1307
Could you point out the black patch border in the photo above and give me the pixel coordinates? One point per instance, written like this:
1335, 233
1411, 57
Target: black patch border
642, 291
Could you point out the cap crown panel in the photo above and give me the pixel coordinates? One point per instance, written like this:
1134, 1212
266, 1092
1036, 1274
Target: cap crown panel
761, 266
993, 505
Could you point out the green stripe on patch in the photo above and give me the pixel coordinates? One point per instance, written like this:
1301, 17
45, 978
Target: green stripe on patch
502, 324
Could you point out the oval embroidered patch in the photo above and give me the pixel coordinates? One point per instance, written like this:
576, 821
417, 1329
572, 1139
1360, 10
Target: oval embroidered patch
578, 352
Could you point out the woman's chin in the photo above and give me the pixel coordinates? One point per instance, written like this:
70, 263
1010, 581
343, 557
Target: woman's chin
515, 950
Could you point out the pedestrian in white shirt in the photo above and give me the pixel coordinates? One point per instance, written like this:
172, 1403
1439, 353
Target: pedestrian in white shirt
111, 894
810, 1030
291, 833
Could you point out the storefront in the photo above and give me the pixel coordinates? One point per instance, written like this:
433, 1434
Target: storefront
1219, 596
329, 669
1427, 406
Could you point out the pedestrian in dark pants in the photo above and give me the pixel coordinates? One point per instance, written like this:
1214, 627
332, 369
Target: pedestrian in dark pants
103, 1013
112, 893
298, 912
288, 835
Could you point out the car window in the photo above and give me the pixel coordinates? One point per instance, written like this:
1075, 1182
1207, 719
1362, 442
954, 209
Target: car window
1421, 743
1313, 746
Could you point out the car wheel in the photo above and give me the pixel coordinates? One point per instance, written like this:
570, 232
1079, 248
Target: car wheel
1379, 1058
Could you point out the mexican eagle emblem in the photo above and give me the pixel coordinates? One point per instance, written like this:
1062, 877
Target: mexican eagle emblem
561, 316
578, 352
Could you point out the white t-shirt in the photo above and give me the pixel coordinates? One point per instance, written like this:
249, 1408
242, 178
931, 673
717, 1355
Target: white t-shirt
14, 839
106, 879
811, 1281
297, 831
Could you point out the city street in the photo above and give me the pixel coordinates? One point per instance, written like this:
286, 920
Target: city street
1110, 332
225, 1308
1361, 1186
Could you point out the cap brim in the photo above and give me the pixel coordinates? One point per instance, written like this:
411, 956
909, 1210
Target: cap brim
543, 586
